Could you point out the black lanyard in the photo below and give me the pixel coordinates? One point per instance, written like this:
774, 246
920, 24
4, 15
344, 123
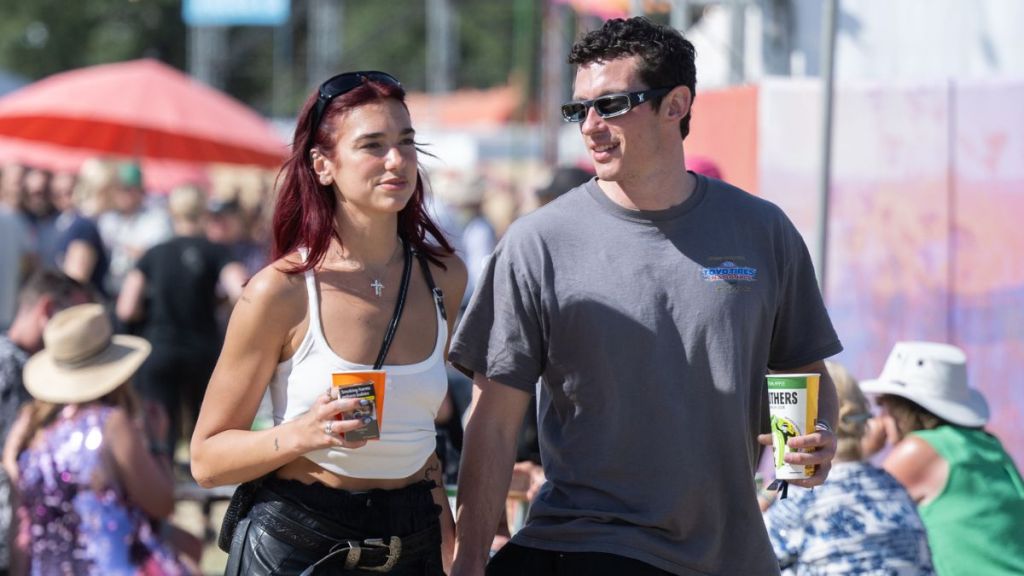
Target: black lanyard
403, 291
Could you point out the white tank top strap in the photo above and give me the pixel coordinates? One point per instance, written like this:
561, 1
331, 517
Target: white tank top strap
314, 306
314, 333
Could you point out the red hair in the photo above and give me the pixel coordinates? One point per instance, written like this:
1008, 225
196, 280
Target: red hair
304, 210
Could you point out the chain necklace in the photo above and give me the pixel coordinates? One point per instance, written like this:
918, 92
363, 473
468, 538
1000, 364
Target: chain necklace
377, 285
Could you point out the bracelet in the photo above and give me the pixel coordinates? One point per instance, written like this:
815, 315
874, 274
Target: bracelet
823, 425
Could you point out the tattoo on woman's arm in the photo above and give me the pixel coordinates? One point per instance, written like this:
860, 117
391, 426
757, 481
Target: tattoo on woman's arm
277, 447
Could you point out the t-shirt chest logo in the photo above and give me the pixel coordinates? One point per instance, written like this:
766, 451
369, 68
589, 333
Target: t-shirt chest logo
727, 274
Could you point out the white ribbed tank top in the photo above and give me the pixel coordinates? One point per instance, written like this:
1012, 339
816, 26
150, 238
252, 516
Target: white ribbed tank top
413, 395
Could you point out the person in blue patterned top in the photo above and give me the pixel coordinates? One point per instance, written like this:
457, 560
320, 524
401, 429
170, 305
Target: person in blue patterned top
861, 521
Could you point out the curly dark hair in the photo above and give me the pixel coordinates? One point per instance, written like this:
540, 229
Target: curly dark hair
667, 58
909, 415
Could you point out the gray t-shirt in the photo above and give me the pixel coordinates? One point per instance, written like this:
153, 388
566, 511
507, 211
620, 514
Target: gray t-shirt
651, 333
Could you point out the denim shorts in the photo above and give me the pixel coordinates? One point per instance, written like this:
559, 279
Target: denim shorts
294, 526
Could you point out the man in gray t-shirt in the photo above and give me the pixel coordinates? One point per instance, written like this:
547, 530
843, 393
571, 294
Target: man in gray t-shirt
650, 303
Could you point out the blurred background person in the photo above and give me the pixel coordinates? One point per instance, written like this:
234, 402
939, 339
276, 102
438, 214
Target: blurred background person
703, 165
36, 207
44, 294
94, 187
11, 175
131, 227
969, 492
88, 489
861, 521
228, 224
472, 235
563, 179
15, 258
172, 296
78, 249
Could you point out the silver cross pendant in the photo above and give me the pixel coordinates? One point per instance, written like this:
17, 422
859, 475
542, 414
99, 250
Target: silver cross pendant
377, 286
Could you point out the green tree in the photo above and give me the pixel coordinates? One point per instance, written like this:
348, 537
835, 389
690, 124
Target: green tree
496, 42
42, 37
392, 36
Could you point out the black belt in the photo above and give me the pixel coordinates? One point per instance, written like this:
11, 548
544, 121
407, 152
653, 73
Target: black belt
306, 531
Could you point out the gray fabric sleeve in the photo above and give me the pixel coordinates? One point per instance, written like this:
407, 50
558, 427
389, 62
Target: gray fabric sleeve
803, 332
500, 334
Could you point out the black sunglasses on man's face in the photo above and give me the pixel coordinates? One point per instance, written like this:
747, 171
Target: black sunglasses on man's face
610, 105
341, 84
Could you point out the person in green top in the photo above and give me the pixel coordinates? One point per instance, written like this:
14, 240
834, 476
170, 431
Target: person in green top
969, 493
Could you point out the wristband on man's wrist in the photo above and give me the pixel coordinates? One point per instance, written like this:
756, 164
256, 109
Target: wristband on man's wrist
823, 425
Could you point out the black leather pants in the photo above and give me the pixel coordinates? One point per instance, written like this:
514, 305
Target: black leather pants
298, 529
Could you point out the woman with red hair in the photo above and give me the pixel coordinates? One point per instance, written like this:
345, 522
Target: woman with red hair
361, 279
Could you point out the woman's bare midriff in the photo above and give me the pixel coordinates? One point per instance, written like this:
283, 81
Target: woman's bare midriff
307, 472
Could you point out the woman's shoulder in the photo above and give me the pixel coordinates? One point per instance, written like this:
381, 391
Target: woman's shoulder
276, 286
450, 277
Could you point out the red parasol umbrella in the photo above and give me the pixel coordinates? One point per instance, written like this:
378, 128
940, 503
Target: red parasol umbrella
139, 109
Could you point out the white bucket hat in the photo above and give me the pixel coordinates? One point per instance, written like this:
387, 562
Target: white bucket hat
82, 360
934, 376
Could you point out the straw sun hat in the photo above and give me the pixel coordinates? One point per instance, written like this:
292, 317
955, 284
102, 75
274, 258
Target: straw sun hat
934, 376
82, 360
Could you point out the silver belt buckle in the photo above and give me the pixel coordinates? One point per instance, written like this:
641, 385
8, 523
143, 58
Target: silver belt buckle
394, 547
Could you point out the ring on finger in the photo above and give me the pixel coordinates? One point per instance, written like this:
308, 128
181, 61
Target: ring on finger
328, 427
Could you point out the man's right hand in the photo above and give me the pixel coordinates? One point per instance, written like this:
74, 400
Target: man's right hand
488, 455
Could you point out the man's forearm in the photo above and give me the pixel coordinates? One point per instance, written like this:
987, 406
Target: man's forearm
484, 477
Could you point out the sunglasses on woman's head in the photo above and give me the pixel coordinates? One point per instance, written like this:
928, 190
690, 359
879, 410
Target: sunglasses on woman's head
341, 84
610, 105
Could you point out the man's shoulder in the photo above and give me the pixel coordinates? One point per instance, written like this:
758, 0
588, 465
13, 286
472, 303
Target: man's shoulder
740, 206
738, 197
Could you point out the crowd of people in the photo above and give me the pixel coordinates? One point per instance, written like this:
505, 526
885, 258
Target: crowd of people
162, 268
603, 357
